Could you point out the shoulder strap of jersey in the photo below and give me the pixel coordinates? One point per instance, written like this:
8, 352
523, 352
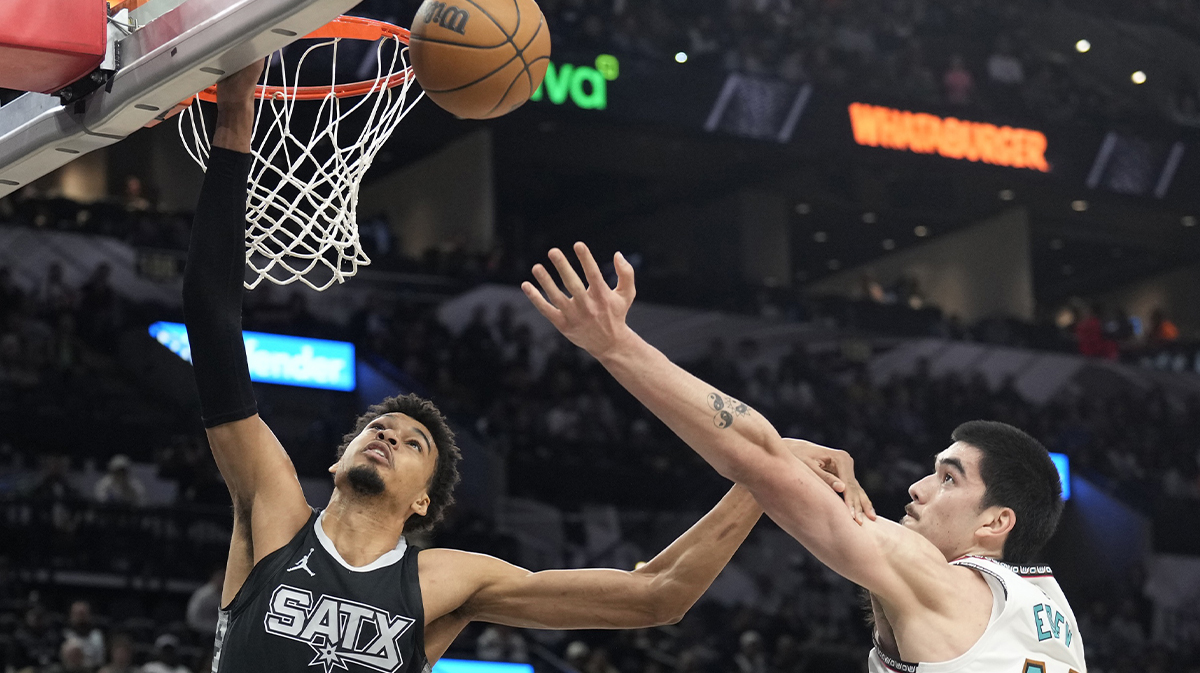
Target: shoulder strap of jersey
992, 567
255, 580
412, 589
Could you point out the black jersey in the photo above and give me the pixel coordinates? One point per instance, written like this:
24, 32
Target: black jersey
303, 608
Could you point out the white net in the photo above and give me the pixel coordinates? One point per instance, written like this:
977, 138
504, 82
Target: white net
301, 221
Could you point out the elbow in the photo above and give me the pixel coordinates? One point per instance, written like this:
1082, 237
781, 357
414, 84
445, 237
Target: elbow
666, 603
665, 614
670, 618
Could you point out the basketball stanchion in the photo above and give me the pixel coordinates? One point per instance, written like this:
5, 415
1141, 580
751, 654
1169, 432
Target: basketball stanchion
304, 182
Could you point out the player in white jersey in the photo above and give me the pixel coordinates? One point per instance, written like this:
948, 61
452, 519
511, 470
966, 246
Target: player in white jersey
941, 593
1031, 628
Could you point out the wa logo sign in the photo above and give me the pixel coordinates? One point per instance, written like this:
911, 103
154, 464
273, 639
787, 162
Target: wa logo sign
339, 631
586, 87
275, 358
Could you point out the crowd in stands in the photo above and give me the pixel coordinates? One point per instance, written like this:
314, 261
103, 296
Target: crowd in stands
1091, 329
931, 52
571, 436
560, 422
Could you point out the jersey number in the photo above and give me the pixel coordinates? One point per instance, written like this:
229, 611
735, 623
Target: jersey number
1037, 667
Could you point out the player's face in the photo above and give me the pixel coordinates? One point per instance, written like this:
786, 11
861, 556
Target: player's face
394, 456
945, 505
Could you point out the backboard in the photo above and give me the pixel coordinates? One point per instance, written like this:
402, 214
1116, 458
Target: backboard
167, 50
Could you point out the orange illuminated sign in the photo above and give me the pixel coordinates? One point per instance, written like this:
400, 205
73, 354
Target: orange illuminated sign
924, 133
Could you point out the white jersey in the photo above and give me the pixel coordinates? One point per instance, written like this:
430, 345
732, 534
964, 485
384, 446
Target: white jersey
1032, 628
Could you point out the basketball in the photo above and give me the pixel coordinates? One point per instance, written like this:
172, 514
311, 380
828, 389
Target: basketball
479, 58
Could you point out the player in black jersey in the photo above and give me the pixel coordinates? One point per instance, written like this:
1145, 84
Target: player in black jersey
339, 588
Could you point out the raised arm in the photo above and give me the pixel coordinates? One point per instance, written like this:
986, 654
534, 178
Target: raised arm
478, 587
732, 437
269, 505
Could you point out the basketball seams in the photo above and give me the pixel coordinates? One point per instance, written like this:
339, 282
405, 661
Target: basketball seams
497, 23
477, 81
433, 40
537, 31
525, 65
508, 90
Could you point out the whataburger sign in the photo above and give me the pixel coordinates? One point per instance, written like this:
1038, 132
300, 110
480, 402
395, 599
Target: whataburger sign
924, 133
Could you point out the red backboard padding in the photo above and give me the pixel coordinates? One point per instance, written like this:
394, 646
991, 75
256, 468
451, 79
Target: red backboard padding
47, 44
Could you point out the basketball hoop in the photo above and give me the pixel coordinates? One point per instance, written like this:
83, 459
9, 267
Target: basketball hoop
303, 190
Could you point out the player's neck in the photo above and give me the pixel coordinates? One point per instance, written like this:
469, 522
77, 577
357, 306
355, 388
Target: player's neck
977, 551
361, 530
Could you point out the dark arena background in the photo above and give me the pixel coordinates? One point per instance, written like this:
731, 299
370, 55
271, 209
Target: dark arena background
815, 231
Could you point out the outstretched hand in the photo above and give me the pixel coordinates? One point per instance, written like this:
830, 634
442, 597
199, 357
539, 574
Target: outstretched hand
836, 468
591, 316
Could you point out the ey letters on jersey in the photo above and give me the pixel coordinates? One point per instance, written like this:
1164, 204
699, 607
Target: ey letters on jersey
339, 631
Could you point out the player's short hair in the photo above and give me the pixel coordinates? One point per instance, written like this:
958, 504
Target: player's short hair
1017, 473
445, 473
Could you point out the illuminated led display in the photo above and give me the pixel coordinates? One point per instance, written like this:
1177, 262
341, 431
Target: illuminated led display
1063, 463
585, 86
464, 666
925, 133
275, 358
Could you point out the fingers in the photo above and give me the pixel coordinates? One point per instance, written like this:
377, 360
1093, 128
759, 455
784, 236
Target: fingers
624, 269
567, 273
539, 302
830, 478
868, 506
555, 295
860, 504
590, 269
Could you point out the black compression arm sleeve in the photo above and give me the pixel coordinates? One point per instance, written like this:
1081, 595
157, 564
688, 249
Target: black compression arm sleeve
212, 291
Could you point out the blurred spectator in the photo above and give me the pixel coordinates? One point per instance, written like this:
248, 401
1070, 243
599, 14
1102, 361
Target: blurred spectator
99, 307
1125, 631
1162, 330
81, 629
958, 82
10, 294
598, 662
1119, 328
1186, 98
71, 659
119, 485
577, 654
35, 642
53, 483
203, 608
134, 197
1091, 337
501, 643
166, 656
751, 658
120, 657
1003, 67
55, 296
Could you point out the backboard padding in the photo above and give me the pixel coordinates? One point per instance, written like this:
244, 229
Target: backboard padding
172, 56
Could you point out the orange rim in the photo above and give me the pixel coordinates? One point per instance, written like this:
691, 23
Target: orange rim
344, 27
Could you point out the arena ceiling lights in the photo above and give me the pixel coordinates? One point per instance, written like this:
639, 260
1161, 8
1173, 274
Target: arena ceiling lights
924, 133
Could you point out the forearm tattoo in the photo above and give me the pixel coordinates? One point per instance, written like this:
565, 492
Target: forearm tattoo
727, 409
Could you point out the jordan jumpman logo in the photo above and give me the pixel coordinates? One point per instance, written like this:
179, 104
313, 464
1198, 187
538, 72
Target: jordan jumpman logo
303, 564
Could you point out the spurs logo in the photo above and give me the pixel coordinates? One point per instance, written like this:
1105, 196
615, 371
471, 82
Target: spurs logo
447, 16
303, 564
340, 631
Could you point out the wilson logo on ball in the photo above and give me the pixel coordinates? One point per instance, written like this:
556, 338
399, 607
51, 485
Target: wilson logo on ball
448, 17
